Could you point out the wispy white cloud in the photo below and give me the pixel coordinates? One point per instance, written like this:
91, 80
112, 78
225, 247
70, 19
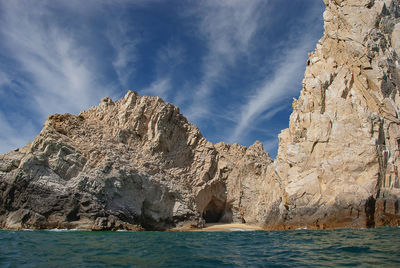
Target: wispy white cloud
61, 71
272, 112
4, 79
276, 91
56, 72
273, 90
93, 7
159, 87
227, 28
167, 59
125, 48
170, 56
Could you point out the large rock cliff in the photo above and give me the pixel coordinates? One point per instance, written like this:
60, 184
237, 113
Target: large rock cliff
137, 163
132, 164
338, 161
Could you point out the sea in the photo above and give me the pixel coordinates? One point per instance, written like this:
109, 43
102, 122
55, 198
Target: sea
378, 247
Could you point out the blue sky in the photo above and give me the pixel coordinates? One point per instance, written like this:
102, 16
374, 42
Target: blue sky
232, 66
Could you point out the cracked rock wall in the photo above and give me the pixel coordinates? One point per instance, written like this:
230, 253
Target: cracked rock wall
136, 163
338, 161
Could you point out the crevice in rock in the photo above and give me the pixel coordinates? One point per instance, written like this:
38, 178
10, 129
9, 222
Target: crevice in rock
323, 97
370, 212
382, 155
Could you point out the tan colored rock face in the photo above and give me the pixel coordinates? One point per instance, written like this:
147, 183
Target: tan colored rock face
134, 163
340, 153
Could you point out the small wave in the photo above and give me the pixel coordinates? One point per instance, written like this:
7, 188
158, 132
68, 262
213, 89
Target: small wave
302, 228
63, 230
240, 230
355, 249
27, 230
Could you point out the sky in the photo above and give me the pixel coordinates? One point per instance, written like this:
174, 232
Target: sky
233, 67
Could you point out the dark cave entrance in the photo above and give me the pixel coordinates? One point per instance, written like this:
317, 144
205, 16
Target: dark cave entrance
214, 211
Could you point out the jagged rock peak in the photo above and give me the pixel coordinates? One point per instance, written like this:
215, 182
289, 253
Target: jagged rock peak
134, 163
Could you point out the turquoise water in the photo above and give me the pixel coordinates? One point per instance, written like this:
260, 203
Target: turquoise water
311, 248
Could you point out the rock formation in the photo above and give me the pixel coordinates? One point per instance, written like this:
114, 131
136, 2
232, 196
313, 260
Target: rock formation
338, 161
137, 163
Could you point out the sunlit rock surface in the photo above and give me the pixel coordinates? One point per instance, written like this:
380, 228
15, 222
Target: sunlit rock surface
131, 164
338, 161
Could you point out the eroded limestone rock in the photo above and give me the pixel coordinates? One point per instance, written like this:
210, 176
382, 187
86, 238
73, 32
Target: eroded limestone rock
134, 163
338, 161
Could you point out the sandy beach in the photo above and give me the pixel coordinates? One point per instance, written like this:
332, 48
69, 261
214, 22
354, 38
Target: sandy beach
222, 227
230, 227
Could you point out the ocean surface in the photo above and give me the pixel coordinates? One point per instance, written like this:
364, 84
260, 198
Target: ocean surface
378, 247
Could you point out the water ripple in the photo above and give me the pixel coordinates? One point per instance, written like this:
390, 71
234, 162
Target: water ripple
300, 248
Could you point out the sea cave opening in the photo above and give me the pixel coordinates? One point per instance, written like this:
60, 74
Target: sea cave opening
214, 211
